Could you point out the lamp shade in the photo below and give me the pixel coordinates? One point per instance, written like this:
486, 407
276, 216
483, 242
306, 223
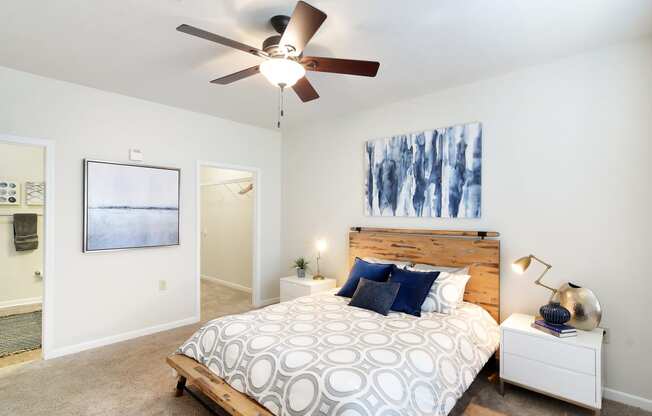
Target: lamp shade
521, 265
281, 71
321, 245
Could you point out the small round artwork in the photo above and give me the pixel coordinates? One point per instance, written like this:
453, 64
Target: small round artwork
554, 313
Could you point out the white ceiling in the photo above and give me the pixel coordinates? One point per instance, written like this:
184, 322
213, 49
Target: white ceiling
131, 46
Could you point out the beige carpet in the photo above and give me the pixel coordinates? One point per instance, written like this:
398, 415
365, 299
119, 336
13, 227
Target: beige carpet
131, 378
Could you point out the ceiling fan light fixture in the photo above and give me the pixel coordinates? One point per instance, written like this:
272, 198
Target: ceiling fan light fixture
282, 71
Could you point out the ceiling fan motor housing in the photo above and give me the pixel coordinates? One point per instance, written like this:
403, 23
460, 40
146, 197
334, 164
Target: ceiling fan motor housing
270, 45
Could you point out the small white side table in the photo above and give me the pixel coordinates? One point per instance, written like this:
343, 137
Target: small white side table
568, 369
292, 287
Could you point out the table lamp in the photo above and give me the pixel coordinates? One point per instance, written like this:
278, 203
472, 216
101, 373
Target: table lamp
321, 246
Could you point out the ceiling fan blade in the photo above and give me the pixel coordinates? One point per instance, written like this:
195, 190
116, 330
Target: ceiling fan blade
237, 76
341, 66
191, 30
303, 25
305, 90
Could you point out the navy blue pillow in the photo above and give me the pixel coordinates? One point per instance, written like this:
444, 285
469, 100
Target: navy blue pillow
375, 296
413, 291
370, 271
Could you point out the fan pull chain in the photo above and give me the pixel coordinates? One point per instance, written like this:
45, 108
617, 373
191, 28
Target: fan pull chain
280, 105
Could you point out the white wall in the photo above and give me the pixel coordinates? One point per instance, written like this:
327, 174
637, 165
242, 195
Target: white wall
227, 226
566, 176
18, 282
101, 296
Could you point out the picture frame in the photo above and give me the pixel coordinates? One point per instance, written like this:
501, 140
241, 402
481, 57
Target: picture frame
129, 206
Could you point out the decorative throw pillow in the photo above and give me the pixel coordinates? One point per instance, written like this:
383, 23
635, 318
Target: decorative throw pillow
370, 271
375, 296
447, 293
413, 291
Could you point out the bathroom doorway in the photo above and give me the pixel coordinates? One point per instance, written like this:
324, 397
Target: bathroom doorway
22, 250
227, 233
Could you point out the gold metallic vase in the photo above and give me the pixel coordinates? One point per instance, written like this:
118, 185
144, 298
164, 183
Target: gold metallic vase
583, 305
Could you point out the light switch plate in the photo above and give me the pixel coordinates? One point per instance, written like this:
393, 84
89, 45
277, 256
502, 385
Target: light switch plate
135, 155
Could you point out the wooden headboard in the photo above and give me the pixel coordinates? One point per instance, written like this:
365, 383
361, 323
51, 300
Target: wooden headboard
479, 249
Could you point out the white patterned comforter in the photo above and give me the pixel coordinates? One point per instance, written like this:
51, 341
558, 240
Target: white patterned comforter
316, 355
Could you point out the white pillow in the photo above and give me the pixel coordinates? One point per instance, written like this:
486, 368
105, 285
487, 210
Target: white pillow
399, 264
447, 292
428, 268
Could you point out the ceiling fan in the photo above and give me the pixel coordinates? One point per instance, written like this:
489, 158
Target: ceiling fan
284, 65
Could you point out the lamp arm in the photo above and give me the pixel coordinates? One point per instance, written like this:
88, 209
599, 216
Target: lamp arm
540, 261
538, 281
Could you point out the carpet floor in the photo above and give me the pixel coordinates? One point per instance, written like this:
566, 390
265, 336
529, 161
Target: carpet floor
131, 378
19, 333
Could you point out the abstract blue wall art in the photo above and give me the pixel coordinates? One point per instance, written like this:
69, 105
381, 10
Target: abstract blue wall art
129, 206
435, 173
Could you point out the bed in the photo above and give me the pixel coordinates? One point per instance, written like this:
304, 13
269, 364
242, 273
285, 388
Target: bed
317, 355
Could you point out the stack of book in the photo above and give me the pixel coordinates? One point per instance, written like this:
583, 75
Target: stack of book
560, 331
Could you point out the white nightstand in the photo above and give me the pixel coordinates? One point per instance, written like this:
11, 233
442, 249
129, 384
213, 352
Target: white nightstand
569, 369
292, 287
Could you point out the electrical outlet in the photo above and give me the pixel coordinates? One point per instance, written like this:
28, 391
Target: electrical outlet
606, 338
162, 285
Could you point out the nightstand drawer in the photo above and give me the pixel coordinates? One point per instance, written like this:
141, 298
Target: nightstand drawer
291, 291
553, 351
293, 287
556, 381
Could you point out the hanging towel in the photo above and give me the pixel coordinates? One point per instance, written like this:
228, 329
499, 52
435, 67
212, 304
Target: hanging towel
25, 235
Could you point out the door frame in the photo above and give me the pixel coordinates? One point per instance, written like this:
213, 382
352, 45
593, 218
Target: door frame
47, 330
256, 226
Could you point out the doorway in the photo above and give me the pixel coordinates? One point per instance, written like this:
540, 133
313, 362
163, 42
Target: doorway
227, 206
23, 258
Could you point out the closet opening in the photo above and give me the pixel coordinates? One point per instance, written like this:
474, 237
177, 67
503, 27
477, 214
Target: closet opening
22, 232
227, 232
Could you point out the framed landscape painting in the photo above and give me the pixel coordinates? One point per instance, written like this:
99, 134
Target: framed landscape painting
433, 173
129, 206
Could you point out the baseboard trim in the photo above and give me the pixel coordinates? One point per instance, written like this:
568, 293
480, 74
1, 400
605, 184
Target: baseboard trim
626, 398
266, 302
20, 302
227, 284
71, 349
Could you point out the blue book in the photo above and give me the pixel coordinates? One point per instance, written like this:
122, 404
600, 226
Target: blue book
561, 329
554, 333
